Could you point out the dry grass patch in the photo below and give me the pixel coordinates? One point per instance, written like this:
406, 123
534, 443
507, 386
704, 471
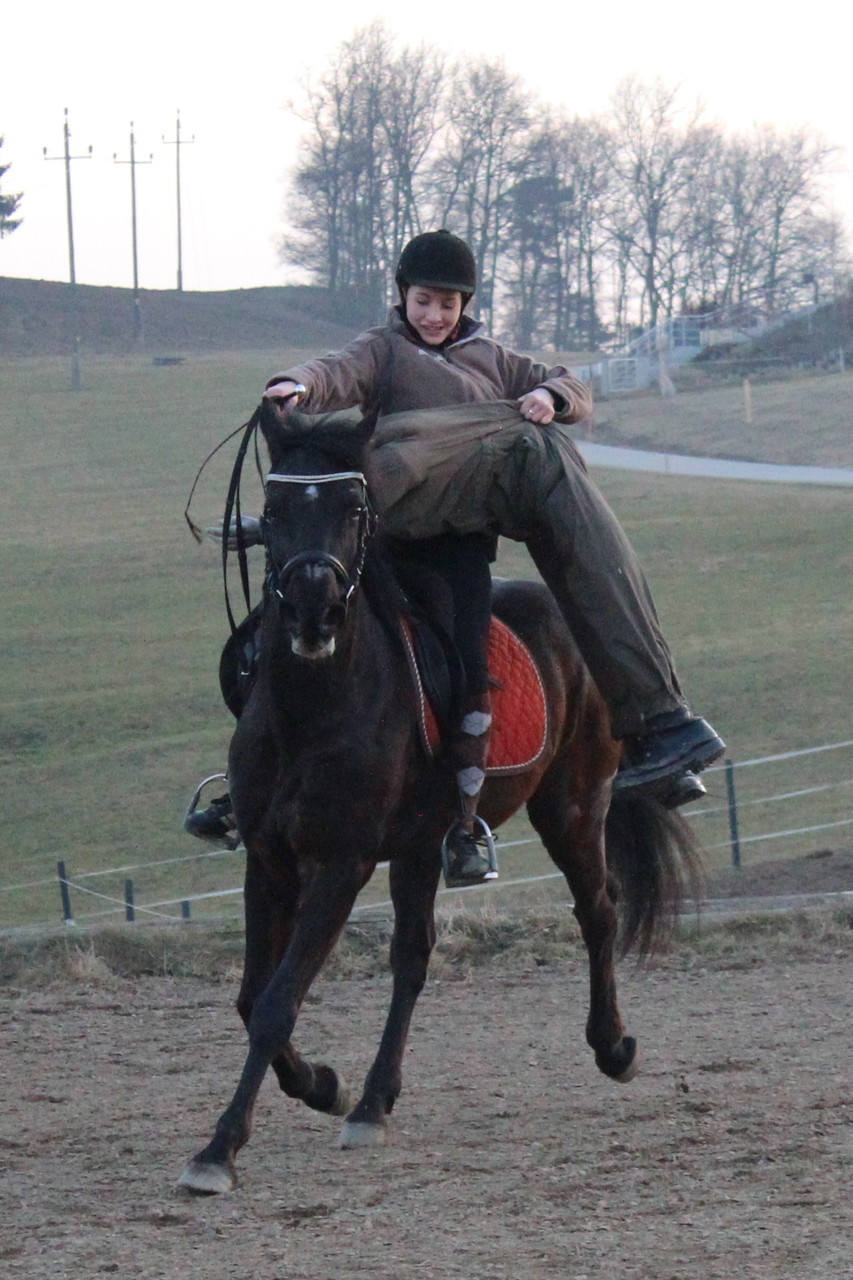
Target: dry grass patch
513, 940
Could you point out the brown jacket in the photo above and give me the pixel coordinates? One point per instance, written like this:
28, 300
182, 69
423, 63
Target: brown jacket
387, 368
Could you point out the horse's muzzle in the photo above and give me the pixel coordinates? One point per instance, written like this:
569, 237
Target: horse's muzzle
313, 608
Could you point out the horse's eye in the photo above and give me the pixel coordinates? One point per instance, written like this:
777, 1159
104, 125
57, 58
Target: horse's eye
356, 513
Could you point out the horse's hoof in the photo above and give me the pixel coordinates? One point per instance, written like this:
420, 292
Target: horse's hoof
620, 1063
356, 1133
208, 1179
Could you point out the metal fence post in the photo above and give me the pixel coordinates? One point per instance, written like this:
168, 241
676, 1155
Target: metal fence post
64, 895
129, 914
733, 828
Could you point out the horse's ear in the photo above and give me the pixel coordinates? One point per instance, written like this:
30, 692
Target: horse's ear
270, 428
277, 432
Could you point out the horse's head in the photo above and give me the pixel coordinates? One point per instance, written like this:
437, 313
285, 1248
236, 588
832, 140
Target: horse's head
316, 525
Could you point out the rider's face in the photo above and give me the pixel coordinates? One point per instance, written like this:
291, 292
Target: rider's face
433, 313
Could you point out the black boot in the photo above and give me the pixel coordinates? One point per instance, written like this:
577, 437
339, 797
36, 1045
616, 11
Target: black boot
672, 744
468, 856
216, 822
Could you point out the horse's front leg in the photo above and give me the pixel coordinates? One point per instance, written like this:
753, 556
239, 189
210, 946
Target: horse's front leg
324, 912
270, 909
413, 889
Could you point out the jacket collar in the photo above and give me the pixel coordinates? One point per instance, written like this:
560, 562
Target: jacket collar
468, 329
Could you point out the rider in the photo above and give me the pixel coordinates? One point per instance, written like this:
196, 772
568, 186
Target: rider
429, 355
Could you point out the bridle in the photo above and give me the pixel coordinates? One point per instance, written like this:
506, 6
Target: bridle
348, 579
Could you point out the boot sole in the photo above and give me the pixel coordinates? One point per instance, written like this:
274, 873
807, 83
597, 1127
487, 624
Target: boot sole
695, 760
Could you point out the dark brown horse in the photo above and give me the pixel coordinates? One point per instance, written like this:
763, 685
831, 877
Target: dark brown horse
328, 776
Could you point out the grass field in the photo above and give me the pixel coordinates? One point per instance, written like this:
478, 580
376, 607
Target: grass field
113, 621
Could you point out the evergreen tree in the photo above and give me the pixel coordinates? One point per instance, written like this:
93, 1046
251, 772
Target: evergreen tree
8, 206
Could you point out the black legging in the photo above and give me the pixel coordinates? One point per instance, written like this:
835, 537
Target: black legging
462, 561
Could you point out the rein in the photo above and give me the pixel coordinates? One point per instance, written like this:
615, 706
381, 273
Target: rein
232, 507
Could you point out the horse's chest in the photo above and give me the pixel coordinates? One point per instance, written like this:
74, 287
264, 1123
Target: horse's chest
332, 791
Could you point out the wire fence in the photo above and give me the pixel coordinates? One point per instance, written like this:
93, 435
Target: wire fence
741, 810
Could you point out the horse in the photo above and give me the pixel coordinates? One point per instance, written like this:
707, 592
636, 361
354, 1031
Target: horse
329, 775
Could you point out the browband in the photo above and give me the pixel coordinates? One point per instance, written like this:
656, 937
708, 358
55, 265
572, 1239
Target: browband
337, 475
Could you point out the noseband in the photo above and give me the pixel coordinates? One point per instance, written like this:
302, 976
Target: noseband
348, 579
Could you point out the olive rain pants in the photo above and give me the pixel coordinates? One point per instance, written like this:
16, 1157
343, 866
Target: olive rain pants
483, 468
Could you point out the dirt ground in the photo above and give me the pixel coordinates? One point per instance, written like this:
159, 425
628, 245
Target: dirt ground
508, 1154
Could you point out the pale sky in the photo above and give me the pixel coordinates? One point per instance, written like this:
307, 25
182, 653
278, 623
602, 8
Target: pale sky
232, 70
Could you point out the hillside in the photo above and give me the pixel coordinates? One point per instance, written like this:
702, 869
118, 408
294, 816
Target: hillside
36, 319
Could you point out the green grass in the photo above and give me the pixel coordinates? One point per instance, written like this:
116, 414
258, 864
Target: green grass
113, 622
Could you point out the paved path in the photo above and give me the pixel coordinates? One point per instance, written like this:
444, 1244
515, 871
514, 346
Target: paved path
604, 455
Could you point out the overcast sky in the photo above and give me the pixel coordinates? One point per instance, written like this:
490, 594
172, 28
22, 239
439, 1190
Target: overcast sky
231, 72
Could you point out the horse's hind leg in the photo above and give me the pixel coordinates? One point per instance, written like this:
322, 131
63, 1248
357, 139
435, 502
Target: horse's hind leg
572, 830
413, 889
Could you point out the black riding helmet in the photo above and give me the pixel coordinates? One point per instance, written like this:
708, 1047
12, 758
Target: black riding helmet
437, 260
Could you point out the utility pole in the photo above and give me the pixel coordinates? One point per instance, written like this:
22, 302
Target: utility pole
177, 142
133, 162
75, 314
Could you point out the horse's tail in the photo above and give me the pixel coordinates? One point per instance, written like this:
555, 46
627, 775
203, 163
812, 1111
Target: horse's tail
655, 863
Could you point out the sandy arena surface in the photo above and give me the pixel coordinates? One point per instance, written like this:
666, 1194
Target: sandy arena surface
508, 1155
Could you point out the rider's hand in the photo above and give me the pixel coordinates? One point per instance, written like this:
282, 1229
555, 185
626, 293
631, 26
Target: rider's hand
284, 396
537, 406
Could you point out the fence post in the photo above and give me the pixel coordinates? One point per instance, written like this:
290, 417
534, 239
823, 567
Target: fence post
64, 895
733, 828
129, 914
185, 909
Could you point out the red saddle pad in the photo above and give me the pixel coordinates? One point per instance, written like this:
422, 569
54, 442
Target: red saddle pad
519, 710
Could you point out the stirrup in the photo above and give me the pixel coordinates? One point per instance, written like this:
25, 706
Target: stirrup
230, 838
454, 877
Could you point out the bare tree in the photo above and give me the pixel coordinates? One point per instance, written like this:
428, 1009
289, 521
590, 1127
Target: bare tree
650, 201
355, 191
481, 160
653, 159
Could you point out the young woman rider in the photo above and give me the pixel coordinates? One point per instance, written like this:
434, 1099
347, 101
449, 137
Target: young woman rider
432, 355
